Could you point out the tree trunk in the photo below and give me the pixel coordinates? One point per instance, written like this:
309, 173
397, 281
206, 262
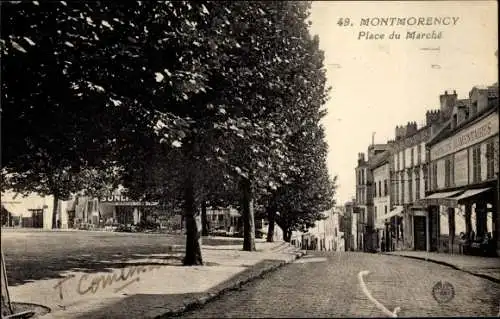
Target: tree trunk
193, 227
248, 215
204, 219
54, 211
287, 235
451, 228
468, 220
6, 305
271, 213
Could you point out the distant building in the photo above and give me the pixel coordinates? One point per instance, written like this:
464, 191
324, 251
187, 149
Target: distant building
364, 197
350, 227
380, 166
326, 234
32, 210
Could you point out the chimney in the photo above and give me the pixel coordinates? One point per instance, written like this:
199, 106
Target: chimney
432, 117
361, 158
447, 102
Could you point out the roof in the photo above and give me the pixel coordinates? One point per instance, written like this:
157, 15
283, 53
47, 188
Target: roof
463, 103
380, 159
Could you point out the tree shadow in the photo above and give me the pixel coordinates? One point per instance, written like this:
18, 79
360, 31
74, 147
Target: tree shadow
52, 262
157, 305
24, 269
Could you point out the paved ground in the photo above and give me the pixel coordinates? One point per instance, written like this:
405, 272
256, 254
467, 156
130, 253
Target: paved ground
35, 255
327, 285
110, 275
488, 267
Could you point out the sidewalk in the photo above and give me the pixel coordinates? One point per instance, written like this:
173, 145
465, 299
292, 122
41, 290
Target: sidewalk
485, 267
156, 286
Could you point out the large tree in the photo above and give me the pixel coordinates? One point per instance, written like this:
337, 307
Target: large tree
297, 205
78, 84
306, 189
211, 88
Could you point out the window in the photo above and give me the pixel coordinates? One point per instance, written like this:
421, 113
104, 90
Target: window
490, 160
363, 176
476, 164
417, 185
426, 178
386, 191
447, 172
412, 159
419, 153
397, 192
375, 186
221, 218
379, 188
410, 187
385, 210
434, 176
375, 212
402, 187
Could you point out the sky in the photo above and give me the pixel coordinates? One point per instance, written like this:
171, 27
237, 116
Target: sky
378, 84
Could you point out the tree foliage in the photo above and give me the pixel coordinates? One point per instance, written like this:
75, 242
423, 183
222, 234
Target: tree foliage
183, 102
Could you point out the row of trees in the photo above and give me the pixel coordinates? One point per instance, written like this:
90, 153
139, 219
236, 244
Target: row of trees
193, 104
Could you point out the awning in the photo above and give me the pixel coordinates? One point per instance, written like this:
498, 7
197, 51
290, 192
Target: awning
396, 211
441, 199
470, 193
441, 195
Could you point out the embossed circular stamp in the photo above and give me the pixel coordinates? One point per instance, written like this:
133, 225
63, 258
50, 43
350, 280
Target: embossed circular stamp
443, 291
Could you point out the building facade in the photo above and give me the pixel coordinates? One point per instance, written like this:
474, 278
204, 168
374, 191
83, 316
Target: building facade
410, 177
463, 159
326, 235
381, 198
350, 230
365, 188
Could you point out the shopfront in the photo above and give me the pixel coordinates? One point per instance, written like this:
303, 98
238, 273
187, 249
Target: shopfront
464, 179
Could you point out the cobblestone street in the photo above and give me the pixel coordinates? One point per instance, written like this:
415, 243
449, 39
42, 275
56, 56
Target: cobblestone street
327, 285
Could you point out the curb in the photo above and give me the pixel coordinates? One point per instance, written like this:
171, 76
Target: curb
199, 302
443, 263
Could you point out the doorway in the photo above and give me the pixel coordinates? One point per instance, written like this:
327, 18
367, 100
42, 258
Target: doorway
419, 232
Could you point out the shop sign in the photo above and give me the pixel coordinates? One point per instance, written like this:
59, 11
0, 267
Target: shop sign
474, 134
448, 202
115, 198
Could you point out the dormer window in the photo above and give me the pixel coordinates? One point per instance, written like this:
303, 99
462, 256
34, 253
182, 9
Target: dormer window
455, 122
473, 108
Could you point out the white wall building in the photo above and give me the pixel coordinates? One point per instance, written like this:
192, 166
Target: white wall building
324, 236
381, 194
32, 205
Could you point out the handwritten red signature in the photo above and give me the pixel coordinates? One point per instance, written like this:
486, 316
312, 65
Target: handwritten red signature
91, 284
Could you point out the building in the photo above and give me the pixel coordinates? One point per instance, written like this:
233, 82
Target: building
364, 197
33, 210
409, 177
350, 227
324, 236
380, 167
227, 220
464, 179
115, 208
